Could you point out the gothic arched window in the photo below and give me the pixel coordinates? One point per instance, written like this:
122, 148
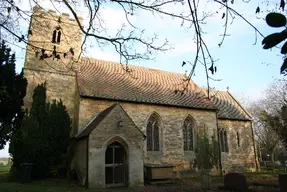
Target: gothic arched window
189, 135
56, 36
152, 133
223, 140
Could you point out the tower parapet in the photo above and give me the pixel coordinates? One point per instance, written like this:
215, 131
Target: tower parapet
54, 42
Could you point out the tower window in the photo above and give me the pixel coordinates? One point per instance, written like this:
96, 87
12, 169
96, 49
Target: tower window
59, 37
56, 36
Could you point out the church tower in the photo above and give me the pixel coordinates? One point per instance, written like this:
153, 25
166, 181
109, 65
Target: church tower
52, 56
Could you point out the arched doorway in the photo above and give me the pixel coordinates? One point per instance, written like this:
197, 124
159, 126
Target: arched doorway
116, 165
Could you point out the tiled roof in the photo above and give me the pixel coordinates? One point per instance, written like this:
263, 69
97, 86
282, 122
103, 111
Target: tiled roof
228, 107
108, 80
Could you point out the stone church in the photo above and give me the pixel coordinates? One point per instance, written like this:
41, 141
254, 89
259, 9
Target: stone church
122, 121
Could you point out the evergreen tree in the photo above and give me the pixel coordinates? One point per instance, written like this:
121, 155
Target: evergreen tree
207, 152
44, 136
12, 92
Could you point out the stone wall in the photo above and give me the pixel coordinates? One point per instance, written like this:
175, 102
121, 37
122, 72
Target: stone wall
107, 132
81, 159
42, 26
61, 83
172, 120
58, 86
59, 74
239, 157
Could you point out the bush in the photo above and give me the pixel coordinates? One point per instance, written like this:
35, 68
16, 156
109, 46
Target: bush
44, 136
207, 152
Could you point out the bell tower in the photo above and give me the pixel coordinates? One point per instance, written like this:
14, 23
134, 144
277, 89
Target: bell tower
52, 56
53, 38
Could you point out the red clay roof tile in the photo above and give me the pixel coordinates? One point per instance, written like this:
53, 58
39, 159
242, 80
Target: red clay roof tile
108, 80
228, 107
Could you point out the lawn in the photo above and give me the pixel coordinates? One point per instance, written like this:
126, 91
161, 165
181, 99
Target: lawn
61, 185
4, 169
48, 185
39, 186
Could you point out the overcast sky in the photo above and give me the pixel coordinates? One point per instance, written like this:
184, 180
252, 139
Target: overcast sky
242, 66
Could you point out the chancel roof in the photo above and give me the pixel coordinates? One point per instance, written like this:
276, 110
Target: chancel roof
228, 107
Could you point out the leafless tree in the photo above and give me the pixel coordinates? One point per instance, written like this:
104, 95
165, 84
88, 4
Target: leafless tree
276, 96
265, 134
266, 114
127, 39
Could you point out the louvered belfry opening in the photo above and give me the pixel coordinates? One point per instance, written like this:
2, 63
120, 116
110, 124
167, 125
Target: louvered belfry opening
56, 36
116, 165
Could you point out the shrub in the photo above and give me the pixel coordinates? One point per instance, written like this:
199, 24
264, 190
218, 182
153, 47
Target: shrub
44, 136
207, 152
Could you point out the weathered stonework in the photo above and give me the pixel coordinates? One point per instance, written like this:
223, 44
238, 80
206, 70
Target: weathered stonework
58, 87
42, 26
62, 82
106, 132
81, 160
172, 119
239, 157
59, 75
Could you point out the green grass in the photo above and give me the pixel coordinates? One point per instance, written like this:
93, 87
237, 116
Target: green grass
46, 185
280, 169
42, 186
51, 185
61, 185
264, 175
197, 180
54, 185
261, 176
4, 168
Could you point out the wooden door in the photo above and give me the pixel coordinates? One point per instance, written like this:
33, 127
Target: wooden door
116, 165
